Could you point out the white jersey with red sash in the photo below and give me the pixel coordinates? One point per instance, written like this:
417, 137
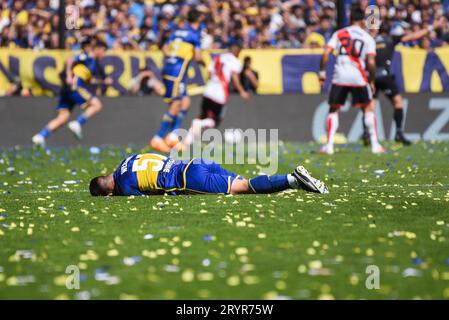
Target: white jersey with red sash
221, 69
351, 47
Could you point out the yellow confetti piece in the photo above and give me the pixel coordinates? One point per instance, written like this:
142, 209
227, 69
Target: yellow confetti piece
60, 280
315, 264
241, 251
125, 296
62, 296
75, 229
30, 231
280, 285
302, 268
11, 281
326, 296
112, 253
175, 251
187, 275
204, 293
250, 280
261, 235
205, 276
311, 251
270, 295
233, 281
186, 244
446, 293
440, 222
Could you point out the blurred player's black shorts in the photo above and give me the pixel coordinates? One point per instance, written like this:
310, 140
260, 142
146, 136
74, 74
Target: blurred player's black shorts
213, 110
387, 85
360, 95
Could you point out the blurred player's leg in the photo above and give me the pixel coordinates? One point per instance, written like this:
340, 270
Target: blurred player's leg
337, 98
157, 142
331, 128
210, 117
299, 179
371, 124
61, 119
93, 107
398, 116
172, 138
209, 177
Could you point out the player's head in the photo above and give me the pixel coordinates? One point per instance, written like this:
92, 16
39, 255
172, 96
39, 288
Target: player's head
102, 186
193, 16
86, 43
235, 48
357, 14
99, 49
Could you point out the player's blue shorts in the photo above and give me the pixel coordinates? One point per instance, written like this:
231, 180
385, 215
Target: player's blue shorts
174, 75
68, 99
175, 89
205, 176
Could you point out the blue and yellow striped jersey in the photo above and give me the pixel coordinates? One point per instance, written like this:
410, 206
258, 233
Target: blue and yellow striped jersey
150, 173
83, 69
181, 50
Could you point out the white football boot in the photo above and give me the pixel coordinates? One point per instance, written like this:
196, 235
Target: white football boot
75, 127
38, 140
378, 149
307, 182
326, 149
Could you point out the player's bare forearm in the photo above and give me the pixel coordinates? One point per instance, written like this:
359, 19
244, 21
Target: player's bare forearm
239, 87
324, 59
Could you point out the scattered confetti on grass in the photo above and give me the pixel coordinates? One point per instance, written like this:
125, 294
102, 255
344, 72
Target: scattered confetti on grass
391, 211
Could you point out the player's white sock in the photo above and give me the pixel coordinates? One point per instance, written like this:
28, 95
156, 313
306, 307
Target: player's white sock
208, 123
292, 181
371, 124
332, 126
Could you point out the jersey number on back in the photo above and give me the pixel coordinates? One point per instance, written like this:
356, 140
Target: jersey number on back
142, 162
351, 47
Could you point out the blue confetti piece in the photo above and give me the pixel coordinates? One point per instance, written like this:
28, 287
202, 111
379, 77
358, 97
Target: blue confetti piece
207, 237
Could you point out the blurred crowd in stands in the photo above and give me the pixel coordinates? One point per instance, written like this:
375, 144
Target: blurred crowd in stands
146, 24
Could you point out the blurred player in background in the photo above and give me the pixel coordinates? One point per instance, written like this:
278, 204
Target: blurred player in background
355, 52
76, 90
249, 77
224, 68
385, 80
182, 47
153, 174
145, 83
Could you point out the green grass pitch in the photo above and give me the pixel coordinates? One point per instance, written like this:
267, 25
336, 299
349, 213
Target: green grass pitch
391, 211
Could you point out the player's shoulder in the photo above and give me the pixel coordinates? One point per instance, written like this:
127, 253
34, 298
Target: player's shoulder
363, 32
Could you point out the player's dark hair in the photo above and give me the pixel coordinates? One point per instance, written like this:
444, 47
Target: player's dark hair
193, 16
85, 42
357, 13
384, 28
100, 44
98, 186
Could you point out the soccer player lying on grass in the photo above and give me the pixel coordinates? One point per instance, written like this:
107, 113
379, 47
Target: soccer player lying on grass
151, 174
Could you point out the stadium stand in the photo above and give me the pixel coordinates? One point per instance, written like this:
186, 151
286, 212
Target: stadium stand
145, 25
